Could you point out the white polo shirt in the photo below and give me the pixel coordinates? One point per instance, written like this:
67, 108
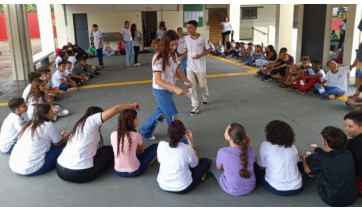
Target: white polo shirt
26, 91
160, 33
56, 78
321, 73
10, 130
338, 79
181, 45
196, 46
31, 105
126, 34
96, 36
28, 155
169, 75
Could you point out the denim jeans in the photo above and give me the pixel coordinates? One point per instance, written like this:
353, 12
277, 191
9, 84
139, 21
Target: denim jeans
145, 159
11, 148
64, 86
129, 52
50, 160
166, 106
184, 63
100, 56
329, 90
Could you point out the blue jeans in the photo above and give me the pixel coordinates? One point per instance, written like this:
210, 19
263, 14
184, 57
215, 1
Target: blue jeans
145, 159
100, 56
260, 177
50, 160
64, 86
329, 90
129, 53
11, 148
184, 63
166, 106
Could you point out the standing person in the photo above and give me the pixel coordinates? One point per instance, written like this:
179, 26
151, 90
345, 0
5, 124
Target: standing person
160, 31
197, 48
165, 71
126, 39
226, 30
342, 33
181, 50
137, 43
98, 43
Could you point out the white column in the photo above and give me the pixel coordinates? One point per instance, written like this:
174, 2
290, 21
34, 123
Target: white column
19, 40
46, 28
352, 39
284, 26
300, 32
62, 36
234, 17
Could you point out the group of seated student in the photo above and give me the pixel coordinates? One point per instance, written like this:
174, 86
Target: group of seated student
37, 146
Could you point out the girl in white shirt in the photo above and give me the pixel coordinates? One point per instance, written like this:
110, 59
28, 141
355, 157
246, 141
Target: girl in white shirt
180, 167
82, 160
277, 162
160, 31
137, 43
226, 30
39, 144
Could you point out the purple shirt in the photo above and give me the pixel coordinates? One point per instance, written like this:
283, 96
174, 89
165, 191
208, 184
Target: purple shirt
230, 181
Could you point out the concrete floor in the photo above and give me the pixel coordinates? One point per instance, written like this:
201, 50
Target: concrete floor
242, 98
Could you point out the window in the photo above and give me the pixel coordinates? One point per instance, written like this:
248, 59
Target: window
249, 13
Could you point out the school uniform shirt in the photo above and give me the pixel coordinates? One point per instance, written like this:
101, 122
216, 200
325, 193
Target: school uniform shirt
56, 78
196, 46
28, 155
338, 79
80, 150
73, 60
343, 25
26, 91
169, 75
57, 60
160, 33
135, 40
332, 55
230, 181
31, 105
127, 160
181, 45
67, 72
226, 26
280, 163
335, 176
175, 164
126, 33
10, 130
320, 73
49, 84
96, 36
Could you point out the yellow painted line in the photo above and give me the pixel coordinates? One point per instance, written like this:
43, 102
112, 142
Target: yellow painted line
115, 84
3, 104
344, 98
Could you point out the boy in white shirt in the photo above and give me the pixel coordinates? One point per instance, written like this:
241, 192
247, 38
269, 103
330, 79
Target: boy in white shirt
337, 78
71, 57
126, 40
62, 81
98, 43
196, 48
12, 125
69, 73
50, 90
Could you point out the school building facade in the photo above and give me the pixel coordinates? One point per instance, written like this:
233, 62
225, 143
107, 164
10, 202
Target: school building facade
303, 29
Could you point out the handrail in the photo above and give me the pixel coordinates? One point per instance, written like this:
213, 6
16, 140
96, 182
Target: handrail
264, 33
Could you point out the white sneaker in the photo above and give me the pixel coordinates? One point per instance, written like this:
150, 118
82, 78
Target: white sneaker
205, 102
63, 113
137, 64
194, 111
152, 138
73, 89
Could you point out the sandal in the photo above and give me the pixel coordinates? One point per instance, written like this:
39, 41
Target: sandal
282, 85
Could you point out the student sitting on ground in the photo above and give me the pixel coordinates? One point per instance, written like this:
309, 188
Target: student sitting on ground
334, 36
234, 165
108, 51
31, 76
92, 51
309, 78
353, 123
130, 157
78, 79
12, 125
277, 162
154, 45
180, 166
80, 69
332, 52
212, 47
81, 160
270, 65
62, 56
50, 90
337, 78
269, 55
37, 96
279, 69
228, 49
71, 57
333, 169
220, 49
236, 50
79, 51
39, 144
62, 81
293, 72
285, 50
242, 50
250, 58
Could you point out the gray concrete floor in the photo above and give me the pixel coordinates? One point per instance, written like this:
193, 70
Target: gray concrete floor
244, 99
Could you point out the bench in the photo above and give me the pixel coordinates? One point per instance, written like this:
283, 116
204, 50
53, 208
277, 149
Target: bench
43, 58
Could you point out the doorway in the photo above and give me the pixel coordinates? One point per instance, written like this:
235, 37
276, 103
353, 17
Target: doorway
216, 16
337, 33
149, 27
81, 30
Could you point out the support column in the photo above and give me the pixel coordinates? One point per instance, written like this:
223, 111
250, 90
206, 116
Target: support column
284, 26
46, 28
234, 17
19, 40
300, 30
60, 23
352, 39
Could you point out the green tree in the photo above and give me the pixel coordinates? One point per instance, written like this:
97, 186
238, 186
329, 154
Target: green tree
1, 8
31, 8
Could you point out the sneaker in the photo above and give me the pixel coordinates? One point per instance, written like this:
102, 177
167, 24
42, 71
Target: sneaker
259, 73
205, 102
97, 73
152, 138
73, 89
228, 56
266, 78
103, 66
63, 113
137, 64
301, 91
332, 96
293, 88
194, 111
130, 67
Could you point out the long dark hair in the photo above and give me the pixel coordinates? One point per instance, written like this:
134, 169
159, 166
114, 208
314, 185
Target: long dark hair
164, 48
133, 30
81, 122
125, 126
39, 117
238, 134
35, 91
176, 130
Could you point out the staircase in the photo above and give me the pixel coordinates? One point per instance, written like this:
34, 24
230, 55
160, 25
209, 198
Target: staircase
216, 16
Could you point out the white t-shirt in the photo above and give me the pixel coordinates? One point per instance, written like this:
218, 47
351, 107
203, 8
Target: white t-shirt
67, 72
49, 84
28, 155
196, 46
10, 130
169, 75
82, 147
160, 33
126, 33
31, 101
226, 26
343, 25
181, 45
135, 41
56, 78
57, 60
280, 163
73, 60
175, 164
96, 36
338, 79
26, 91
321, 73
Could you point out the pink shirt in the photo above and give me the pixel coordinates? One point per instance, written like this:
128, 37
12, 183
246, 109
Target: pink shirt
127, 160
